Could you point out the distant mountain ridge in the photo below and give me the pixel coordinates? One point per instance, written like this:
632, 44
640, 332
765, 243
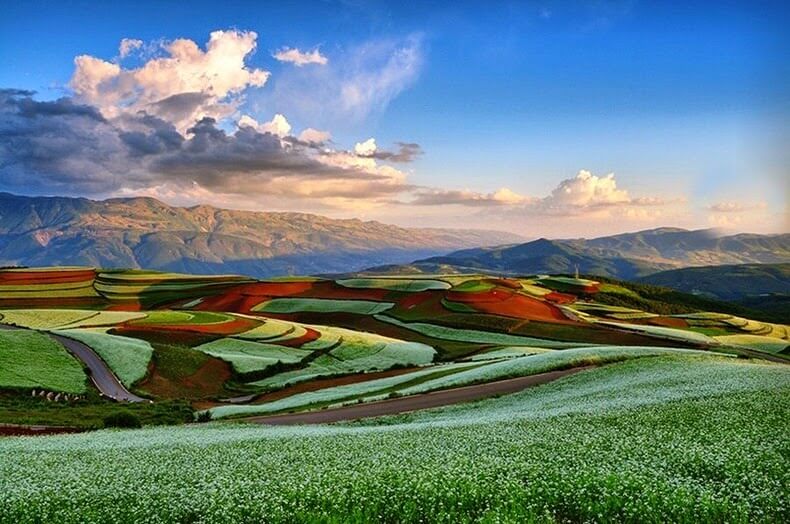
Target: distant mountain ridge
626, 256
143, 232
729, 282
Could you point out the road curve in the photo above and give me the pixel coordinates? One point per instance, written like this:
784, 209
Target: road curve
434, 399
101, 375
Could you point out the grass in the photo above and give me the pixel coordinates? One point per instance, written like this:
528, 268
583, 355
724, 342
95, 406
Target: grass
127, 357
29, 359
87, 413
651, 440
322, 305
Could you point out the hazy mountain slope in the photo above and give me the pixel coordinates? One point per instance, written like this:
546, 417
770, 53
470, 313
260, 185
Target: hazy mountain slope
144, 232
627, 256
731, 282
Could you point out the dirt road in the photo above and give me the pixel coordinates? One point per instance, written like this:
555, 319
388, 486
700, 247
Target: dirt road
423, 401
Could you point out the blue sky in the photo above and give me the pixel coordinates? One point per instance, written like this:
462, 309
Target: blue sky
685, 102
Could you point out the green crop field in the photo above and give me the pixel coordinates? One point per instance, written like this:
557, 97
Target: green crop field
476, 336
29, 359
44, 318
322, 305
395, 284
758, 343
358, 354
246, 356
616, 444
127, 357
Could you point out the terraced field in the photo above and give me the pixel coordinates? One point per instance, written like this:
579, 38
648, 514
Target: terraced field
231, 345
625, 382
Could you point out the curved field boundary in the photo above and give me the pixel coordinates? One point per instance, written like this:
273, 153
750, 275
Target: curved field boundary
101, 375
422, 401
322, 305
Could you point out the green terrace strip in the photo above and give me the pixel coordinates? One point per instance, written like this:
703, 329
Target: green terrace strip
455, 375
756, 342
182, 317
544, 362
340, 394
395, 284
247, 357
669, 439
270, 328
359, 353
128, 358
322, 305
29, 359
681, 335
476, 336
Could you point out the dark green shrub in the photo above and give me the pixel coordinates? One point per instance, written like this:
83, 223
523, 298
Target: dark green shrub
122, 419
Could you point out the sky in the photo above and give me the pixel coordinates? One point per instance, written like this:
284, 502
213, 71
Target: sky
543, 118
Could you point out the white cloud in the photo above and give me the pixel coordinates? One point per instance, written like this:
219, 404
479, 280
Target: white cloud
315, 136
440, 197
184, 86
127, 46
736, 207
278, 125
366, 148
360, 81
586, 190
300, 58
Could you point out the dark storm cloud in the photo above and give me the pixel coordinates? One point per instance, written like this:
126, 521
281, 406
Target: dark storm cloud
68, 146
407, 152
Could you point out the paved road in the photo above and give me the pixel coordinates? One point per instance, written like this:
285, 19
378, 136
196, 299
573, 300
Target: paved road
415, 402
101, 375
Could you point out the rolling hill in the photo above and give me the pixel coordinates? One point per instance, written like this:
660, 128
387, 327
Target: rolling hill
730, 282
144, 232
627, 256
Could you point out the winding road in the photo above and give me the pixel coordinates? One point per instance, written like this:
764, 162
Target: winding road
434, 399
101, 375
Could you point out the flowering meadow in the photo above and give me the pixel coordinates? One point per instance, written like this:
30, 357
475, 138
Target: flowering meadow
666, 439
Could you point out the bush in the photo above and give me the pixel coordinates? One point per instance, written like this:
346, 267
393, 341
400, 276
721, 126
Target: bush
122, 419
203, 416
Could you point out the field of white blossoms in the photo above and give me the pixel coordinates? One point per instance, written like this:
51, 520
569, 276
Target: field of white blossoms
659, 439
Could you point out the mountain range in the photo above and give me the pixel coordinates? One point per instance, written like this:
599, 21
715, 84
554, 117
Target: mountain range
143, 232
626, 256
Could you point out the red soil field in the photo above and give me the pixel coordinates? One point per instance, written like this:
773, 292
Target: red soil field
274, 289
500, 301
165, 336
34, 303
560, 298
233, 327
45, 277
668, 322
